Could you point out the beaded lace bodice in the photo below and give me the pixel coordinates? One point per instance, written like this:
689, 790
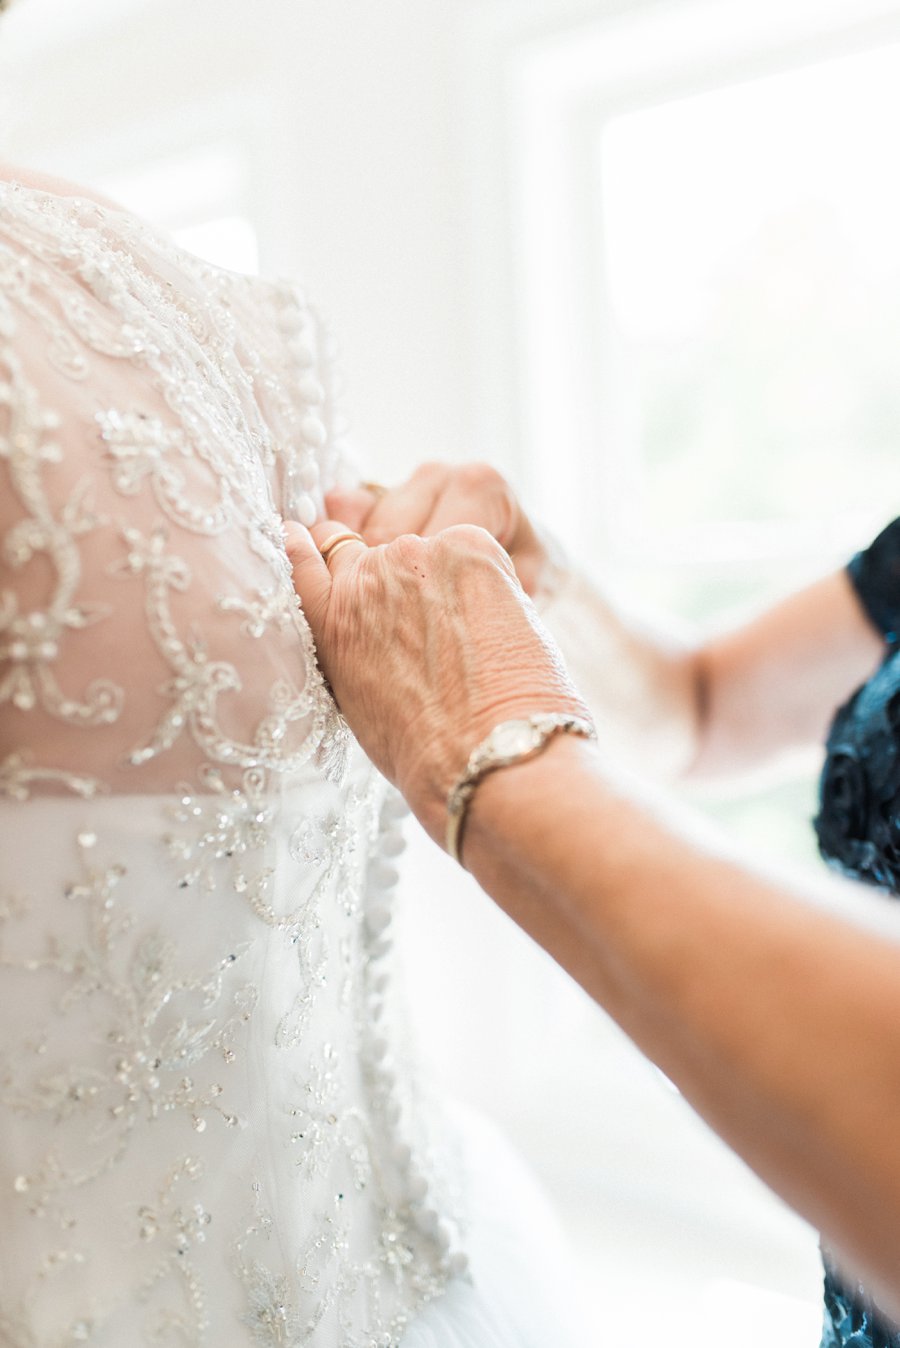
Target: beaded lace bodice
207, 1130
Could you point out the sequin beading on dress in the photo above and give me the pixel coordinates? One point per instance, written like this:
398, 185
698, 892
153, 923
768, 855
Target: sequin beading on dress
209, 1132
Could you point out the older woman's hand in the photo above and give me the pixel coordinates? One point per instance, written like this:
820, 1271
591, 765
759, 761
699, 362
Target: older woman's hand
427, 645
440, 495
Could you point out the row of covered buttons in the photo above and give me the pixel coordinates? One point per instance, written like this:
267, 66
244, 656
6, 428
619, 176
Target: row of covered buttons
382, 879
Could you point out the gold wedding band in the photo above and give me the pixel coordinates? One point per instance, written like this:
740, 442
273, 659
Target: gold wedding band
338, 541
375, 488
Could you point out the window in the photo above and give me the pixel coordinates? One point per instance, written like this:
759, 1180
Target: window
704, 283
749, 240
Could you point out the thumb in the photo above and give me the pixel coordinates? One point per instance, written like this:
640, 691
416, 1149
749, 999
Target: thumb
312, 579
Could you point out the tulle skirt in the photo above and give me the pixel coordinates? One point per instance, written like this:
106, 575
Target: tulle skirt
521, 1290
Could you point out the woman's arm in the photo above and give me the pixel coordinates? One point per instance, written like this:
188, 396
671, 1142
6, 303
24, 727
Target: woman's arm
778, 1019
724, 706
729, 704
775, 682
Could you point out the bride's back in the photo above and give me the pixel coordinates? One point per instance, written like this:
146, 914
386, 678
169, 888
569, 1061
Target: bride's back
205, 1131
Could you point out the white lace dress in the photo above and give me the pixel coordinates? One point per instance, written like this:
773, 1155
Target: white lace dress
209, 1131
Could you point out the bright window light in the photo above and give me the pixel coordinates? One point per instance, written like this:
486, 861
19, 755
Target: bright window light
753, 269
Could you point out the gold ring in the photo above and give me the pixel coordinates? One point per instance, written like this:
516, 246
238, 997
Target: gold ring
375, 488
338, 541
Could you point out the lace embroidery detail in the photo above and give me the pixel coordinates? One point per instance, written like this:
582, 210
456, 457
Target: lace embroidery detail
32, 639
209, 1128
197, 681
149, 1046
140, 447
18, 775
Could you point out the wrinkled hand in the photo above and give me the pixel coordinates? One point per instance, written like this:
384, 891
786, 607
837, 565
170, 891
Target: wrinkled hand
427, 643
438, 496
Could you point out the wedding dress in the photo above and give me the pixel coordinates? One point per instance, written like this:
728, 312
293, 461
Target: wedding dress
210, 1128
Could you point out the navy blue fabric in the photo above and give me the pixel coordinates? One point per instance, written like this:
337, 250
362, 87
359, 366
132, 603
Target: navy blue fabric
851, 1319
875, 573
858, 827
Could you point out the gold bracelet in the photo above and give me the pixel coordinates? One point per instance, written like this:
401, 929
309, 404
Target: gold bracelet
509, 743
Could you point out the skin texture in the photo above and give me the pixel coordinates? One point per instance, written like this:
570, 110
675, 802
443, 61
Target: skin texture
420, 598
761, 1000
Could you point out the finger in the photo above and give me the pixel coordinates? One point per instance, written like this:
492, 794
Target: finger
342, 557
476, 494
312, 579
404, 509
352, 504
472, 540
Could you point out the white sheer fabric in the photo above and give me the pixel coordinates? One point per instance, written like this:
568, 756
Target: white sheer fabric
644, 715
522, 1292
209, 1128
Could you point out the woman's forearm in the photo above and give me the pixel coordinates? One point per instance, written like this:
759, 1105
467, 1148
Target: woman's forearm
727, 705
779, 1021
641, 686
774, 683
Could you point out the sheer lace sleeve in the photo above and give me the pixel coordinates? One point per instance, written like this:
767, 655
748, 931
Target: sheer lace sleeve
641, 711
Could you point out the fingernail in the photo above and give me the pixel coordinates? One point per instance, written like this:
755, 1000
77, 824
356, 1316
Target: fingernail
290, 530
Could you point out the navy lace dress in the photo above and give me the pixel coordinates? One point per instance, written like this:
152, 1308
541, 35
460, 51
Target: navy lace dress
858, 827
